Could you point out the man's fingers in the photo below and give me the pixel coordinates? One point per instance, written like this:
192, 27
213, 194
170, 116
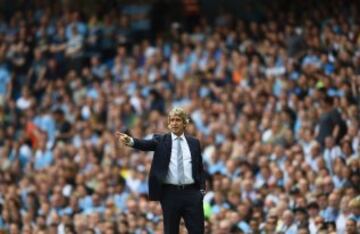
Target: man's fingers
122, 137
120, 134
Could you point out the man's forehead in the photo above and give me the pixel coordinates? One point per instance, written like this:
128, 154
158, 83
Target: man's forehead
173, 116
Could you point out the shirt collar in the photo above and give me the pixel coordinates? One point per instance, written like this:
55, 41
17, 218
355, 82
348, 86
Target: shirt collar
174, 137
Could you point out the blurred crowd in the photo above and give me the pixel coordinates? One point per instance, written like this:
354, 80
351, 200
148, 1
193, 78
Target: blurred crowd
274, 102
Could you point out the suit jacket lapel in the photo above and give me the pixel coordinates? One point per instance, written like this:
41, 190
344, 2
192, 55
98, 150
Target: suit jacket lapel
191, 146
192, 152
168, 145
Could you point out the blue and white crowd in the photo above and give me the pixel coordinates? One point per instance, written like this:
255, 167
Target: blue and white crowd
275, 103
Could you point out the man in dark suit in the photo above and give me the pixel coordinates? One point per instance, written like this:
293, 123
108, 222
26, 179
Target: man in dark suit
177, 177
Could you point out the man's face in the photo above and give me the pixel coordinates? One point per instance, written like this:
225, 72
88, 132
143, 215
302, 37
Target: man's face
350, 227
270, 225
176, 125
313, 211
355, 210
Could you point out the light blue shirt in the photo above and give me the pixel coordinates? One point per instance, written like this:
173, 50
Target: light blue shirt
43, 159
4, 80
172, 176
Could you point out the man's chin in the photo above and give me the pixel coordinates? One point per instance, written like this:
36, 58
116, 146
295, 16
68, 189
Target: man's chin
176, 132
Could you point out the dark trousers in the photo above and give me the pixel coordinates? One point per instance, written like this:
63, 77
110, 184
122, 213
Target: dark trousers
177, 203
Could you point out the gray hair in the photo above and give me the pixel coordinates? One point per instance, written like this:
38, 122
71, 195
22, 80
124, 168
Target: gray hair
178, 111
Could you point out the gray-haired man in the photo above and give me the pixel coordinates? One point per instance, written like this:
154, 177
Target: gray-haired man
177, 176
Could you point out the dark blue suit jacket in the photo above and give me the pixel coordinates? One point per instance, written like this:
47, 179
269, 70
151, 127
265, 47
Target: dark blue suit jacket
161, 145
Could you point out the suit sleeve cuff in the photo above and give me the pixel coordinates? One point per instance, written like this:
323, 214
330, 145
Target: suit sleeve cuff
131, 142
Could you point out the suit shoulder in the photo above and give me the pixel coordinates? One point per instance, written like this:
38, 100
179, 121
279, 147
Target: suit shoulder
192, 138
161, 137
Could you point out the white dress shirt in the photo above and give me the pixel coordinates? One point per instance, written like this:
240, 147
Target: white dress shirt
172, 176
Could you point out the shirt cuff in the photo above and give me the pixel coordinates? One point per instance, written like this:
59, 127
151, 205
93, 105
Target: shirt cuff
131, 142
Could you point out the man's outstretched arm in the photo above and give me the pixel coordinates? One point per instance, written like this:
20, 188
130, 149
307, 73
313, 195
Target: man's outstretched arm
145, 145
